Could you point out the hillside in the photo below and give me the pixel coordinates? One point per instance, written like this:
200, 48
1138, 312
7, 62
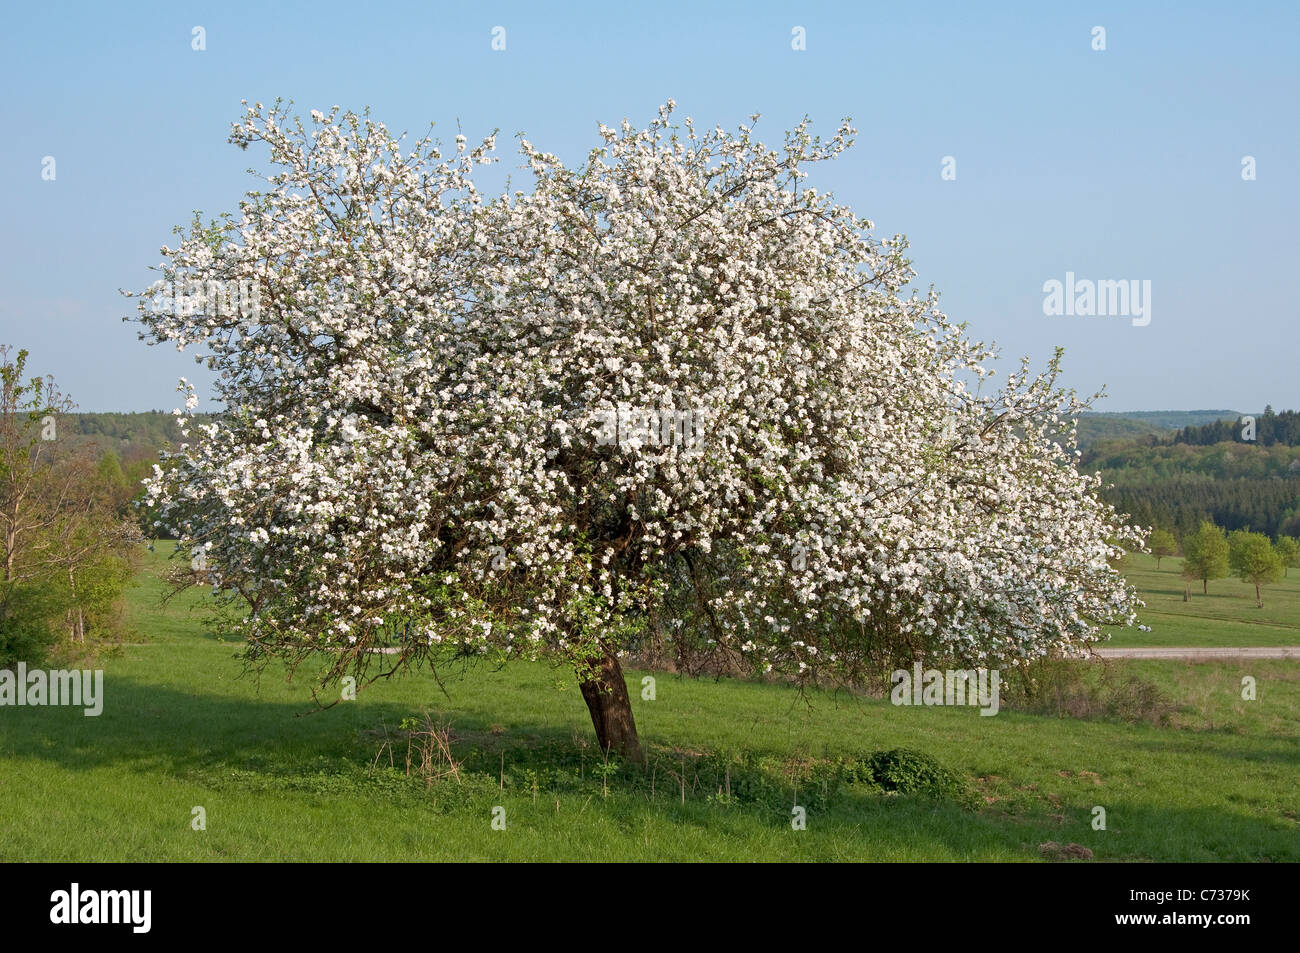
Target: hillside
1128, 425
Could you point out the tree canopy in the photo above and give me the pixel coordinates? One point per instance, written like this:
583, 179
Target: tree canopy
1254, 559
1205, 555
673, 393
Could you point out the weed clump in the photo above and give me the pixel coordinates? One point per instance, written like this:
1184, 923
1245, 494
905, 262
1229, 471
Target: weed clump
1074, 688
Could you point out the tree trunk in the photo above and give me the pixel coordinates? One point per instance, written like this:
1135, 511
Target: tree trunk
605, 692
1205, 586
74, 614
1259, 600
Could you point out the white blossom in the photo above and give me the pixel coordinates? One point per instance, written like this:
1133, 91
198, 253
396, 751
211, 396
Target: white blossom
417, 386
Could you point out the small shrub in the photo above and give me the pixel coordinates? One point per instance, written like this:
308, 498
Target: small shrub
26, 631
904, 771
1075, 688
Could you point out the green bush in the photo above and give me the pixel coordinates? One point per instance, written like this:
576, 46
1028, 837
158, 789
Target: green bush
908, 772
27, 633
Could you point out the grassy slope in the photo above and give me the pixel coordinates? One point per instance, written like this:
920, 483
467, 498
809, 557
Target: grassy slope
181, 728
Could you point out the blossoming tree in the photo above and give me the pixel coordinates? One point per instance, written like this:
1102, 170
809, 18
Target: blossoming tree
673, 393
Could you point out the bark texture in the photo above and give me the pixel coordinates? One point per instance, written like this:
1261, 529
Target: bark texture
605, 692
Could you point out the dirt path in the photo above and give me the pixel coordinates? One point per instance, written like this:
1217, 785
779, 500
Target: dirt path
1203, 654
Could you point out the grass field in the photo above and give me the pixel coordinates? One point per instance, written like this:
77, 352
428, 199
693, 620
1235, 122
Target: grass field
1227, 615
181, 729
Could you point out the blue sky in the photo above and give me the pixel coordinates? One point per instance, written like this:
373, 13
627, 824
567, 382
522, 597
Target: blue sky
1116, 164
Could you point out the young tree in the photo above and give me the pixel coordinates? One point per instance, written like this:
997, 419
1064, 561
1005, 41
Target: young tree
672, 394
91, 546
1254, 560
66, 554
28, 409
112, 481
1205, 555
1288, 550
1161, 544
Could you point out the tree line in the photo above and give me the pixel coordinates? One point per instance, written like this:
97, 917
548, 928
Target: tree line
1181, 504
1267, 429
1210, 552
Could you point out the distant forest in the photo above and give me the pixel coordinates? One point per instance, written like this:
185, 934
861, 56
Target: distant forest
127, 446
1270, 429
1179, 504
1096, 426
152, 428
1207, 471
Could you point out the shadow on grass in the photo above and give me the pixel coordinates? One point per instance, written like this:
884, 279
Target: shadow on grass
275, 746
1262, 750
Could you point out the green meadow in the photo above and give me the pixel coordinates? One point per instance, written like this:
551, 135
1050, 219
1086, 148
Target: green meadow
1225, 616
1200, 774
